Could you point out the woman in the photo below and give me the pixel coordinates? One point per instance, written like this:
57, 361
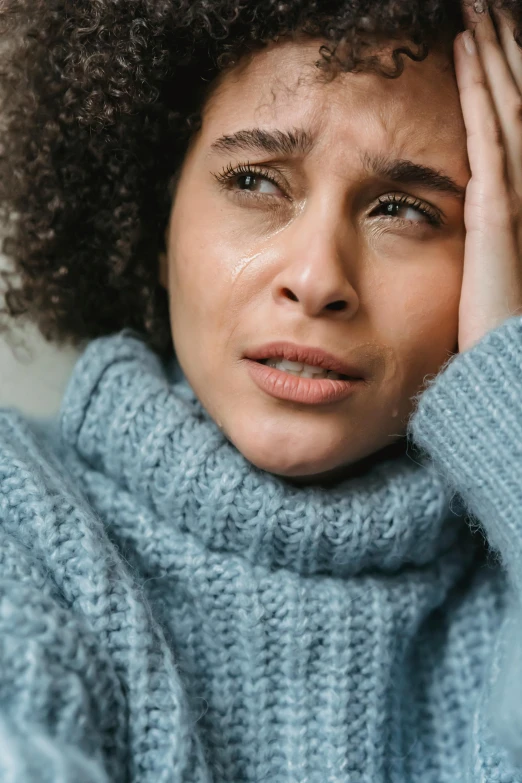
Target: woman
212, 569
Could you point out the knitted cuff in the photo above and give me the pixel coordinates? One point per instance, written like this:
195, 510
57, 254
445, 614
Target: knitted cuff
469, 421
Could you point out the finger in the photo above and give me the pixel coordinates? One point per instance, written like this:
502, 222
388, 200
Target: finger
503, 89
492, 278
492, 52
486, 153
506, 33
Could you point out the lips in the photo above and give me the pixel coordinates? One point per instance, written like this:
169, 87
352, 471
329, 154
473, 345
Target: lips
303, 391
308, 355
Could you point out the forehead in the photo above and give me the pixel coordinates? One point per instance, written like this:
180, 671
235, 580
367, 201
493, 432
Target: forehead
279, 87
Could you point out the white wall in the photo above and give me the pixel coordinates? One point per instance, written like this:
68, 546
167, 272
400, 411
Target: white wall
33, 375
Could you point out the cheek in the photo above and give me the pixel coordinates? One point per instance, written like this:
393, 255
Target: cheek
413, 308
428, 284
426, 319
429, 313
202, 291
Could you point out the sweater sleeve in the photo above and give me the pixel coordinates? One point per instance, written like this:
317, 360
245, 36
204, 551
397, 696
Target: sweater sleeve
61, 713
52, 684
29, 754
90, 690
468, 422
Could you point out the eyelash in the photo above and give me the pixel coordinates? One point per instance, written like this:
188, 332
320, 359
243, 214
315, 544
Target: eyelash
230, 172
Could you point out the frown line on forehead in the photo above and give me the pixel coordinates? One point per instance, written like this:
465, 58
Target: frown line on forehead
300, 142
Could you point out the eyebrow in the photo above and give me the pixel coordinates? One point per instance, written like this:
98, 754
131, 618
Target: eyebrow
300, 142
276, 142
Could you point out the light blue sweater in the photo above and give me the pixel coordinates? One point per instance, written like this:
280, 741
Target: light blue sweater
171, 614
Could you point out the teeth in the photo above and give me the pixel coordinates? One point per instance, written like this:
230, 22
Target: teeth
286, 364
301, 369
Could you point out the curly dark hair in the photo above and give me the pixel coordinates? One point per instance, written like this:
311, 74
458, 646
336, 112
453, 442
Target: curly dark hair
98, 103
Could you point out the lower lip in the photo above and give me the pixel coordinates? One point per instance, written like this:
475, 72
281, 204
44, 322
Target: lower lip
310, 391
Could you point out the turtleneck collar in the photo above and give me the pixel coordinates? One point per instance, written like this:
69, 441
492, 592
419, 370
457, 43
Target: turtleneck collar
137, 420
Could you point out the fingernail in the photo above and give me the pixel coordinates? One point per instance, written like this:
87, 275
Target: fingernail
469, 43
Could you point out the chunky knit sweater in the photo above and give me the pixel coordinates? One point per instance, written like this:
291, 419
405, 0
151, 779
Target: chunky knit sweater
169, 613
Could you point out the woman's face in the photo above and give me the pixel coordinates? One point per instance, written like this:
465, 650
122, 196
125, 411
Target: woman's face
299, 248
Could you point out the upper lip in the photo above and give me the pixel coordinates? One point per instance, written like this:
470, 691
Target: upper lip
307, 355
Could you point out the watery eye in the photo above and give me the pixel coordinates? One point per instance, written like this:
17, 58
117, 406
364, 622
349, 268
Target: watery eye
243, 181
256, 182
412, 212
408, 212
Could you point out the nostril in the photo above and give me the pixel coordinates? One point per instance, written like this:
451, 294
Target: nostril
339, 305
290, 294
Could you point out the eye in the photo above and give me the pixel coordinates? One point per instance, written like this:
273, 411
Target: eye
255, 182
249, 180
392, 204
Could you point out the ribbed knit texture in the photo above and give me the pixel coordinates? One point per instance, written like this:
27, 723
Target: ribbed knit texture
170, 613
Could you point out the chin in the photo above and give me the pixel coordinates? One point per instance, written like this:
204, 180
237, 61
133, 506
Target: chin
287, 456
305, 451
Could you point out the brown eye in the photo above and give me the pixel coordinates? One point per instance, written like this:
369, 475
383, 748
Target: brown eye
391, 205
252, 178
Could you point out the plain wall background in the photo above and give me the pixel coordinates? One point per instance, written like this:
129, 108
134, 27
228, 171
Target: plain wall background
33, 375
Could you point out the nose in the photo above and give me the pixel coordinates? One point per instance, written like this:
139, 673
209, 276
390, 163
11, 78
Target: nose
318, 272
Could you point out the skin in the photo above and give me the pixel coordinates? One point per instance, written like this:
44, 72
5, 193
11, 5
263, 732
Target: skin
489, 78
251, 262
